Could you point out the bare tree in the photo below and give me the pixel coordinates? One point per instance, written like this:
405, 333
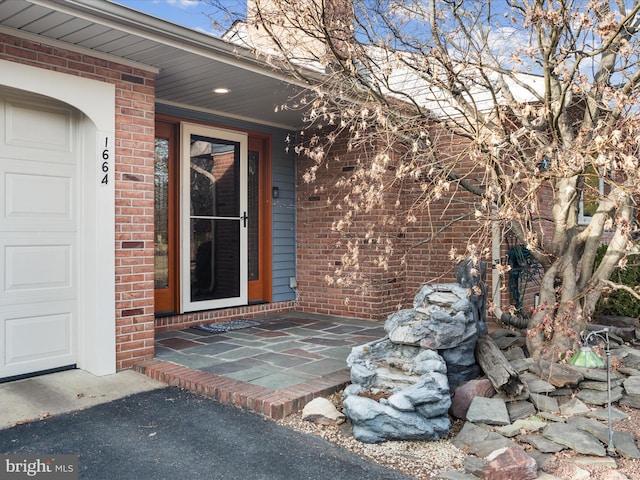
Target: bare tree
541, 95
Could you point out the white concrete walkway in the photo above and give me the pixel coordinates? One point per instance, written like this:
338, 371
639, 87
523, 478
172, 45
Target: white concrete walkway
39, 397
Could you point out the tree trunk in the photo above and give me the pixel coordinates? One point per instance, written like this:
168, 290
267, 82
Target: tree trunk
554, 328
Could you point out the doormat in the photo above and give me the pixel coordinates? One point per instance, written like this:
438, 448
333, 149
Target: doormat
227, 326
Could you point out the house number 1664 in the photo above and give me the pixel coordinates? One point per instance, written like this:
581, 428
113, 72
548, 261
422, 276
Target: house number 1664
105, 160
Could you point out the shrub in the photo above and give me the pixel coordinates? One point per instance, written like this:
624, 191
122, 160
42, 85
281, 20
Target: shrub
619, 302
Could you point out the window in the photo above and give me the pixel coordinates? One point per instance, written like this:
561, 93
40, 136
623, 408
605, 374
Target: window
590, 195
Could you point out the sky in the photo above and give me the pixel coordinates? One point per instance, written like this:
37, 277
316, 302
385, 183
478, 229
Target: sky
188, 13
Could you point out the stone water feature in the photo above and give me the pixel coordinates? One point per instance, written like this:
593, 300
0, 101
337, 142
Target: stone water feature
400, 385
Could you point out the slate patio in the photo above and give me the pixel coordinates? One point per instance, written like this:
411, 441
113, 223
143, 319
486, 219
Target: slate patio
274, 368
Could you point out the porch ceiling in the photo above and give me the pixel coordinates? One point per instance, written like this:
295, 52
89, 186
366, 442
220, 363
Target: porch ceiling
190, 63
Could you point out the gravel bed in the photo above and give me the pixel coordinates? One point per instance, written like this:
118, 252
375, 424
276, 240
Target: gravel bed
424, 460
420, 459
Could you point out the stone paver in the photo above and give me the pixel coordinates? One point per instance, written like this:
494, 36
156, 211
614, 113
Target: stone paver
273, 368
492, 411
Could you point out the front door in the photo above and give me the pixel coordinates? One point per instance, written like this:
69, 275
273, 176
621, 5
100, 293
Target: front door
214, 218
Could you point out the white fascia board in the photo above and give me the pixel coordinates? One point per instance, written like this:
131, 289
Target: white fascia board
32, 37
121, 18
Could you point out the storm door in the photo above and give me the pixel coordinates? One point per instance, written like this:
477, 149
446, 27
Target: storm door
214, 218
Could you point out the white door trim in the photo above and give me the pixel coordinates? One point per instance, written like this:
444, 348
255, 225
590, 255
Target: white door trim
96, 304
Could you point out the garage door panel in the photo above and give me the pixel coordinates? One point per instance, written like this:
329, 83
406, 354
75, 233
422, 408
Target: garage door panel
54, 126
38, 267
37, 340
36, 196
36, 272
39, 196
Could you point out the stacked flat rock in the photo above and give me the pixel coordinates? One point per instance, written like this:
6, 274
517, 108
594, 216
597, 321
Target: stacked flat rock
398, 392
400, 385
441, 319
558, 410
631, 395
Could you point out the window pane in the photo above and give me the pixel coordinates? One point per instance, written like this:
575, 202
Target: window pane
215, 259
215, 168
253, 206
161, 194
592, 190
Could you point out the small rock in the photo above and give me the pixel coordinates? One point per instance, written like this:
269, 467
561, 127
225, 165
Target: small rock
520, 426
543, 444
510, 463
466, 392
601, 386
508, 431
579, 473
520, 409
574, 407
474, 465
596, 462
322, 411
551, 417
542, 459
545, 403
507, 341
632, 401
563, 392
597, 374
574, 438
603, 414
632, 359
628, 371
491, 411
557, 374
515, 353
521, 364
478, 441
596, 397
535, 384
632, 385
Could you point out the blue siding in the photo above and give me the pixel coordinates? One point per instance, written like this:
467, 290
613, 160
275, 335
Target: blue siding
283, 208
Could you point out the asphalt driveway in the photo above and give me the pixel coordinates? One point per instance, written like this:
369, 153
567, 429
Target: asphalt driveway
175, 435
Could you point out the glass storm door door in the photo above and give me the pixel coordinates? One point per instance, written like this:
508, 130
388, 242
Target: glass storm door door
214, 218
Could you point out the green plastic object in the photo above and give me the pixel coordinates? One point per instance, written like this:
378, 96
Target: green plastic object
585, 357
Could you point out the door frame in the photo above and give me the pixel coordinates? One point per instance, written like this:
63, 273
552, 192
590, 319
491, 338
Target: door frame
258, 291
167, 299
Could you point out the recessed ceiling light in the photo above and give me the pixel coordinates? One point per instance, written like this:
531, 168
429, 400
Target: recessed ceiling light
221, 90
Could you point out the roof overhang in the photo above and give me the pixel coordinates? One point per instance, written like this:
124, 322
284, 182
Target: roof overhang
189, 64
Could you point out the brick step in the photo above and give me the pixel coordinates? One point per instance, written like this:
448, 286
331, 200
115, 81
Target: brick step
275, 404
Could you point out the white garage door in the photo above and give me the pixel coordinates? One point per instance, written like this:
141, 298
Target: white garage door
39, 221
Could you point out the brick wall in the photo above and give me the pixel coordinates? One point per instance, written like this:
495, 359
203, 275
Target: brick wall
446, 225
134, 171
421, 249
320, 247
